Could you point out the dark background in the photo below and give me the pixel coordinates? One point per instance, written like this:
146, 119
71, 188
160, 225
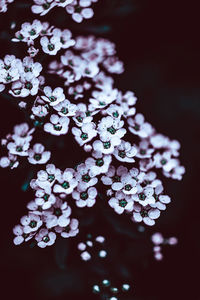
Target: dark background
159, 44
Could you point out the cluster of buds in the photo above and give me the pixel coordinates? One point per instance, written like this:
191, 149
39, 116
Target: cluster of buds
85, 247
158, 240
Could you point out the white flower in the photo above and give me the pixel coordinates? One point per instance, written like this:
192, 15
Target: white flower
106, 144
53, 97
159, 141
65, 37
30, 67
126, 102
46, 179
10, 161
21, 236
147, 214
125, 152
70, 230
37, 155
115, 111
85, 134
144, 196
85, 180
26, 86
139, 127
19, 147
58, 214
143, 150
85, 198
165, 161
45, 198
111, 127
31, 222
160, 199
78, 13
51, 46
66, 182
29, 32
42, 7
45, 238
127, 184
98, 164
58, 125
113, 65
121, 202
66, 108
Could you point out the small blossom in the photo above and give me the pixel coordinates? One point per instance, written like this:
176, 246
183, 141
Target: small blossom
45, 238
38, 155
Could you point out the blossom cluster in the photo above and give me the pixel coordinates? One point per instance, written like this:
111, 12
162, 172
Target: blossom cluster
158, 240
78, 9
124, 152
18, 146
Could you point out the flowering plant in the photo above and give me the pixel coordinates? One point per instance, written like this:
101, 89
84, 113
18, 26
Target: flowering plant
123, 155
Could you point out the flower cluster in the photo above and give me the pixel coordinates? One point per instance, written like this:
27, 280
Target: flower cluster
22, 76
78, 9
18, 145
84, 247
158, 240
124, 151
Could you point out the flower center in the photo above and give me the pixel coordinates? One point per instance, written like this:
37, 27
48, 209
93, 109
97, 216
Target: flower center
46, 5
51, 47
58, 212
28, 85
116, 178
33, 224
57, 127
51, 178
136, 127
142, 196
45, 239
19, 149
84, 196
8, 78
163, 161
128, 187
52, 98
87, 71
122, 154
106, 145
46, 197
84, 136
32, 32
37, 157
99, 162
80, 119
64, 110
156, 197
26, 69
86, 178
102, 103
78, 9
67, 229
115, 114
65, 185
142, 151
122, 203
144, 213
111, 129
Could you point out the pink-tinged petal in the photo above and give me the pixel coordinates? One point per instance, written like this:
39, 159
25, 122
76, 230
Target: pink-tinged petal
154, 213
137, 217
149, 221
18, 240
164, 199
